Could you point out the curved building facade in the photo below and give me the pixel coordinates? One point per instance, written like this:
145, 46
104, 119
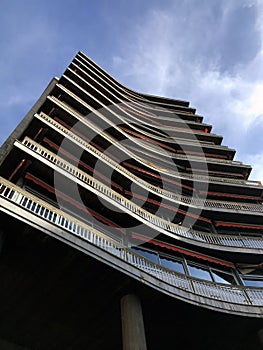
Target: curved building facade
126, 223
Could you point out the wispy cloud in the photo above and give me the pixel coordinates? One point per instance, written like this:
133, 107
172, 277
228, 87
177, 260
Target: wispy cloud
210, 55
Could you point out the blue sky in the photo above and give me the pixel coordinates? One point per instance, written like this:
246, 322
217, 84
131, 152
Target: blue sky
209, 52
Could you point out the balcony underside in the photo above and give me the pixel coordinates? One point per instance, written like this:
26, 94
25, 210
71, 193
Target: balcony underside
53, 296
233, 300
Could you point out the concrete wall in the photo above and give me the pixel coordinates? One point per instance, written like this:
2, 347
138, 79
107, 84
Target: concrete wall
7, 145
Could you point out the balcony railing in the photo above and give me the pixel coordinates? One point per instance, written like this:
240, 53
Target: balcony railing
201, 158
118, 115
185, 176
66, 132
236, 296
136, 211
180, 199
130, 117
134, 96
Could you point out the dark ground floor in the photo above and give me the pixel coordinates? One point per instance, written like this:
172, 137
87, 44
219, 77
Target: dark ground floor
54, 297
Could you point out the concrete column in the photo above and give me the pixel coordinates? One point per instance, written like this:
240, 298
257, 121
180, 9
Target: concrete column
133, 333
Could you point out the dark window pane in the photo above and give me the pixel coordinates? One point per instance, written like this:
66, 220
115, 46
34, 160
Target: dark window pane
255, 272
172, 264
222, 277
199, 272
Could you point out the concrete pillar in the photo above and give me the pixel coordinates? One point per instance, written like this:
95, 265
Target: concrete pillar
133, 333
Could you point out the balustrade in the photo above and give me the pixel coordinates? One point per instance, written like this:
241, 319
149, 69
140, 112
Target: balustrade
232, 294
89, 148
160, 223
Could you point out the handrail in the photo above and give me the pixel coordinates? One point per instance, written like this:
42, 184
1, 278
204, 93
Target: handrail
236, 295
185, 141
186, 176
130, 113
135, 94
180, 199
141, 111
155, 133
146, 102
137, 141
105, 106
95, 152
106, 97
189, 157
154, 221
168, 138
109, 161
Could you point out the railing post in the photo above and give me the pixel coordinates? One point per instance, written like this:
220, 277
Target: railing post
133, 333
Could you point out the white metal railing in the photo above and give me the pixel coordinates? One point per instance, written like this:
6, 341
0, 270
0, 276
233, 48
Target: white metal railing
109, 161
118, 116
147, 103
134, 97
156, 222
187, 176
153, 120
225, 293
102, 156
246, 182
174, 155
189, 201
171, 154
201, 158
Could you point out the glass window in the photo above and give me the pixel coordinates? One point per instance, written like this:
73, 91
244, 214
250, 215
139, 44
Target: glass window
172, 264
222, 277
253, 282
148, 255
199, 272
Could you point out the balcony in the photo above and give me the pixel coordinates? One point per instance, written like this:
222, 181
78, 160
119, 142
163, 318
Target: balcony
228, 298
203, 178
221, 242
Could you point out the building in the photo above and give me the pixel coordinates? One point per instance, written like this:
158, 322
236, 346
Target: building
125, 223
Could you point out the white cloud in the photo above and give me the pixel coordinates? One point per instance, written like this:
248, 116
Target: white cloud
252, 106
257, 172
165, 57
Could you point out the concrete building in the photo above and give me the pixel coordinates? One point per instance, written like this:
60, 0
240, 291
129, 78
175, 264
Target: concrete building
126, 224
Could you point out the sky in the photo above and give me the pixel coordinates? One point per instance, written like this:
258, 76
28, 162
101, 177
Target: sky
208, 52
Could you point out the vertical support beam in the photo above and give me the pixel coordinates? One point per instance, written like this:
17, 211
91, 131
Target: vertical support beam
133, 333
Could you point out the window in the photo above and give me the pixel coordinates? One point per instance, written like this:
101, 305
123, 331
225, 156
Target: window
252, 276
223, 277
172, 264
253, 281
148, 255
199, 272
196, 270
